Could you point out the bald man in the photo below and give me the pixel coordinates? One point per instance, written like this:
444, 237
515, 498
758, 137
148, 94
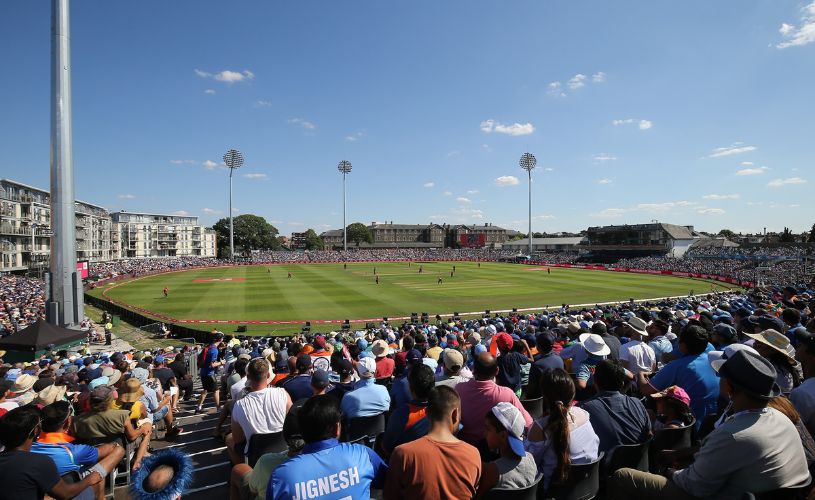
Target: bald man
479, 395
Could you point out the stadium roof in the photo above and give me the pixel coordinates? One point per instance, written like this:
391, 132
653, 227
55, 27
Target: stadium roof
546, 241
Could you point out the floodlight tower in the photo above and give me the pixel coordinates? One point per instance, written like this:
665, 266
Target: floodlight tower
345, 168
233, 159
64, 305
528, 162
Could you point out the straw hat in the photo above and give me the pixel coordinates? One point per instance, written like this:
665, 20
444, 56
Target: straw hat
51, 394
23, 383
774, 339
132, 391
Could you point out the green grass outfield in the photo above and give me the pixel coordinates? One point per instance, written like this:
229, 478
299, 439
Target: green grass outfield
329, 292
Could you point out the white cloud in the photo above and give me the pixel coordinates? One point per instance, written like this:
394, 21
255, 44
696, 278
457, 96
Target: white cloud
453, 153
799, 35
126, 197
429, 184
489, 126
182, 162
472, 191
227, 76
604, 181
734, 149
303, 123
543, 217
448, 193
747, 163
487, 148
182, 213
598, 77
604, 157
549, 169
721, 197
260, 103
648, 208
786, 182
710, 211
752, 171
642, 124
210, 211
209, 165
507, 180
577, 81
555, 89
610, 213
354, 137
462, 199
209, 91
258, 176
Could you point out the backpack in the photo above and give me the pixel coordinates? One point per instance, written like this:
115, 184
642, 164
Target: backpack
203, 357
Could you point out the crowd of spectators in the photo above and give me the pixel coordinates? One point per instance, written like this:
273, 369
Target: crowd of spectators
787, 272
457, 403
22, 302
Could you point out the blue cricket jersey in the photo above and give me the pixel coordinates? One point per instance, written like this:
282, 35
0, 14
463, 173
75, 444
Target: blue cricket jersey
328, 470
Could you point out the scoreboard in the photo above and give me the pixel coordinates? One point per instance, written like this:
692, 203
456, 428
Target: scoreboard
298, 241
473, 240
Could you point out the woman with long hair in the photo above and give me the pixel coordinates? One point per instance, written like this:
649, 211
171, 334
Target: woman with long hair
564, 434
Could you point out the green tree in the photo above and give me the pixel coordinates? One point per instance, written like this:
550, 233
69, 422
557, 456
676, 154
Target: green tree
727, 233
313, 241
812, 234
787, 236
359, 232
252, 232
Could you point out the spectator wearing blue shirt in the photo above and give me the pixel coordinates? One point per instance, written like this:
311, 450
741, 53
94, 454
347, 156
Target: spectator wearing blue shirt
692, 372
659, 343
596, 350
299, 386
326, 468
545, 360
409, 422
616, 418
401, 388
369, 398
209, 366
55, 441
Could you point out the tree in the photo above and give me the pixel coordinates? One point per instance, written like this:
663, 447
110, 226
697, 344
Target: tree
812, 234
313, 241
787, 236
727, 233
359, 232
252, 232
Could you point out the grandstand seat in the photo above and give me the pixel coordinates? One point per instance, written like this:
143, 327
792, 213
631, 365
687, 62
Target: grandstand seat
365, 426
669, 439
528, 493
632, 456
533, 406
583, 482
260, 444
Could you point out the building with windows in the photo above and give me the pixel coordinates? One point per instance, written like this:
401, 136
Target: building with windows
25, 229
158, 235
390, 235
639, 240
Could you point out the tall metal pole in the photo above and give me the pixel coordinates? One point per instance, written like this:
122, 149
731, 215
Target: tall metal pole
528, 162
231, 227
64, 301
344, 167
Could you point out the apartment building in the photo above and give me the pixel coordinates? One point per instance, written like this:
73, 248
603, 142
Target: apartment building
144, 235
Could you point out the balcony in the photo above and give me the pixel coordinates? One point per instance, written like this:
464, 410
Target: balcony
8, 229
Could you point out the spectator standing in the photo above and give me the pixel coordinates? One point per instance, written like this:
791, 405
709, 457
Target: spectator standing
350, 469
456, 468
616, 418
182, 377
209, 364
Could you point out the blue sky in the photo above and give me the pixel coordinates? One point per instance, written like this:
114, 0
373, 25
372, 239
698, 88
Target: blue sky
690, 112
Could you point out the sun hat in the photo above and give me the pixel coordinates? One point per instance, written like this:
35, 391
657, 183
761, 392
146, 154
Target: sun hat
638, 325
366, 367
674, 392
513, 422
717, 358
751, 372
99, 381
380, 348
594, 344
139, 374
132, 391
51, 394
774, 339
24, 383
453, 359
